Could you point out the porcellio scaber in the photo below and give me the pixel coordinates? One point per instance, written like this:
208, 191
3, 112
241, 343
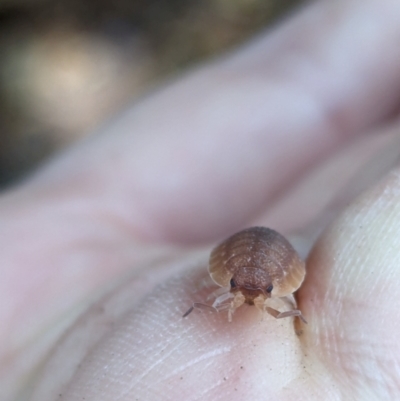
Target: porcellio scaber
251, 267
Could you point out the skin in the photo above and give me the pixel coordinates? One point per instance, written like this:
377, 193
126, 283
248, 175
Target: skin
106, 230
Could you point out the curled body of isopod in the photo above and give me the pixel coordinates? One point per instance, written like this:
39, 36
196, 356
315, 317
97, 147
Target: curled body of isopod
251, 267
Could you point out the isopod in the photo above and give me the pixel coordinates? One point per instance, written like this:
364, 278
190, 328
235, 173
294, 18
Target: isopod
251, 267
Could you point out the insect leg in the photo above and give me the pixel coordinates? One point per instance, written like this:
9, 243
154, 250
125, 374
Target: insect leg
218, 292
237, 301
198, 305
279, 315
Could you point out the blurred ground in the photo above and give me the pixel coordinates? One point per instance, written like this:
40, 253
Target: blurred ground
66, 66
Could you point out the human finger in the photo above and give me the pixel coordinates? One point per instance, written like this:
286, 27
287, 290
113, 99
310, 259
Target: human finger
150, 350
209, 152
350, 295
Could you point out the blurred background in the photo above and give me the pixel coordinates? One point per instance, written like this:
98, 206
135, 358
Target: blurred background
67, 65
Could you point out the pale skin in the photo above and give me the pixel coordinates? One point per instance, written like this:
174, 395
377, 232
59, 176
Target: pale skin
107, 216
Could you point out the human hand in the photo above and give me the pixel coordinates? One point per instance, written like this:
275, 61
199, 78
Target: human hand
205, 156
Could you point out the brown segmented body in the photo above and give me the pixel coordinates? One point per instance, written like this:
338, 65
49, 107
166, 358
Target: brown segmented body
256, 258
252, 266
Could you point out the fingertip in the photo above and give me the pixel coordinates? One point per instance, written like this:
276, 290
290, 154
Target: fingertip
351, 288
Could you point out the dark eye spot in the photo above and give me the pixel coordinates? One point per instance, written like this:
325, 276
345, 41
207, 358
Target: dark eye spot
232, 283
270, 288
